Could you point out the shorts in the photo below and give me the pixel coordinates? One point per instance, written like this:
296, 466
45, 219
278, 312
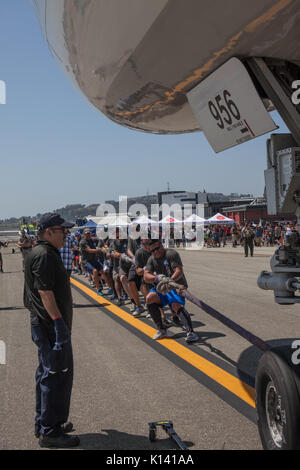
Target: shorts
106, 266
170, 298
123, 272
134, 277
90, 267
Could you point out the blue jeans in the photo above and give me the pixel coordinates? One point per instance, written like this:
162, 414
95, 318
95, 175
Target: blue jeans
54, 380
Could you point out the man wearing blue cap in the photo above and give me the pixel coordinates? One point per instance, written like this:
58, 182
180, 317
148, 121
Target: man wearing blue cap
47, 295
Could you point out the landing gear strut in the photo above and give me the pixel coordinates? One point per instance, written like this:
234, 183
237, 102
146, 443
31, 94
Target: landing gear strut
277, 378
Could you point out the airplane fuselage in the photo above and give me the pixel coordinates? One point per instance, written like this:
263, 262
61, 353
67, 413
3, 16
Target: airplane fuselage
135, 60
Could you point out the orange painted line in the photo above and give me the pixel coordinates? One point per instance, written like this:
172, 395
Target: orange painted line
268, 16
251, 27
233, 384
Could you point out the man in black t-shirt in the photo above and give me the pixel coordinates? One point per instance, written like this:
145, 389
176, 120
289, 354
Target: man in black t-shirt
117, 248
47, 295
91, 256
167, 263
136, 273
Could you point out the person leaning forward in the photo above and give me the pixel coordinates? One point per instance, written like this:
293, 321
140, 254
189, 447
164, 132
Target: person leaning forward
47, 295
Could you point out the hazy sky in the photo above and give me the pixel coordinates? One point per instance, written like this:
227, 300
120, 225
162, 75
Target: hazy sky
56, 149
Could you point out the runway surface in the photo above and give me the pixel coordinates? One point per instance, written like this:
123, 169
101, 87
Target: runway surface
124, 379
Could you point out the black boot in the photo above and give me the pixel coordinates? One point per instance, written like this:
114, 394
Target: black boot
60, 442
66, 427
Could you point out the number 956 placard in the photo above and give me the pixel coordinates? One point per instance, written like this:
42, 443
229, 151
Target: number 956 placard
228, 107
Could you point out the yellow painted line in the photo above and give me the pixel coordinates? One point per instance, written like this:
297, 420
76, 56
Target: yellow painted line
228, 381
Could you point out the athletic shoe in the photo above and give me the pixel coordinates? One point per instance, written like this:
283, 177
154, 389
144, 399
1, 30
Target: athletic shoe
110, 292
132, 307
124, 297
191, 337
161, 334
138, 311
113, 297
60, 442
119, 302
99, 292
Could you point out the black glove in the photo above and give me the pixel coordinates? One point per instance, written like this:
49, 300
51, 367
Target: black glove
62, 333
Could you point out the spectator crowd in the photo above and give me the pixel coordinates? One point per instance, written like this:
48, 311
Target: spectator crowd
262, 235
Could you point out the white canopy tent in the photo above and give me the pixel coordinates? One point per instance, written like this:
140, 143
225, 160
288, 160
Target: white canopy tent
145, 225
194, 219
119, 222
111, 220
219, 219
143, 220
168, 219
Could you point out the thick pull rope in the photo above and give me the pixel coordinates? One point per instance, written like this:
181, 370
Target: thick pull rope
168, 284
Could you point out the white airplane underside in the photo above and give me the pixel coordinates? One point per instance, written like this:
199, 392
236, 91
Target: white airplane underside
135, 60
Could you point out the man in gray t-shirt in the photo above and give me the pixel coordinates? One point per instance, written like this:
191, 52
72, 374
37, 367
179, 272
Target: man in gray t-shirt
134, 244
168, 263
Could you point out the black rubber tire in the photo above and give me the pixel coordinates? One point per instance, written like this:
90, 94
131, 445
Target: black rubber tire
272, 368
152, 435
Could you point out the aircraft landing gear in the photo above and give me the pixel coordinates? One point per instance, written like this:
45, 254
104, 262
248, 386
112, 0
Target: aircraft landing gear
277, 378
277, 404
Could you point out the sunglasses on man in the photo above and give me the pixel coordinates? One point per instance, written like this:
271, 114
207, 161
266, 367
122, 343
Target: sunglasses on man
155, 249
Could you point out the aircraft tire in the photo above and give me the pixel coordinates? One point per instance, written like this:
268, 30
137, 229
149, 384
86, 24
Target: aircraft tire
277, 404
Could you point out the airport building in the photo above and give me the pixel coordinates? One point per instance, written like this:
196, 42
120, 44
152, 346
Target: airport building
255, 212
204, 204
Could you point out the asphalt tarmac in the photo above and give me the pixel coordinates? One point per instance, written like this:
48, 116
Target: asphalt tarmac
124, 379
